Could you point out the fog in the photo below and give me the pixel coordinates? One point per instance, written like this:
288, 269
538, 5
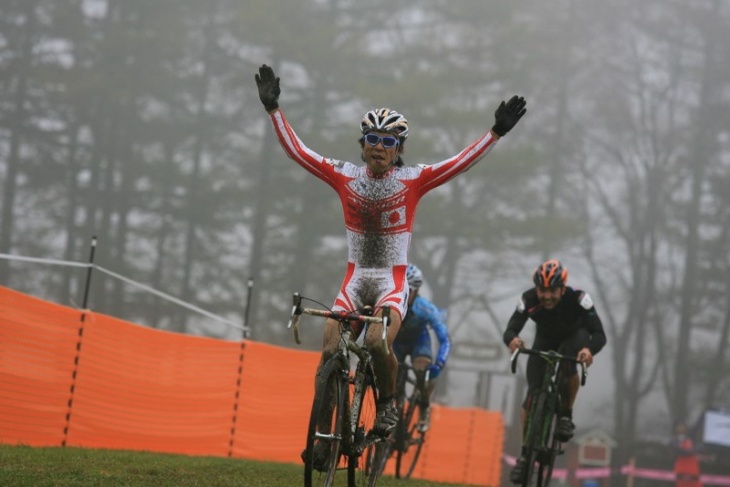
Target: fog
139, 123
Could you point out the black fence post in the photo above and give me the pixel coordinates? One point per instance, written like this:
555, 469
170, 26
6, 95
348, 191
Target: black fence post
246, 328
88, 274
77, 358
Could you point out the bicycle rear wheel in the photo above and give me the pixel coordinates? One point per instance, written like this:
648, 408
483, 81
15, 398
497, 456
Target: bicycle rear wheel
363, 397
409, 439
326, 421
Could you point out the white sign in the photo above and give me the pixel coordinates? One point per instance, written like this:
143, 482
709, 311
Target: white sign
717, 428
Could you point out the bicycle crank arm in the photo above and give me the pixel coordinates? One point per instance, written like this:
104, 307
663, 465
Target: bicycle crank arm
370, 439
322, 436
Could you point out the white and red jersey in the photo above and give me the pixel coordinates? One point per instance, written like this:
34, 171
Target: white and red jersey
379, 214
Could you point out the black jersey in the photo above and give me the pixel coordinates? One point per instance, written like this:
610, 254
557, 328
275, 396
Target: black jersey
575, 310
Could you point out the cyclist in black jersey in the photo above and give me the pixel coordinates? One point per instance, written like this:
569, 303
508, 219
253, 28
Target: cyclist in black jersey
566, 321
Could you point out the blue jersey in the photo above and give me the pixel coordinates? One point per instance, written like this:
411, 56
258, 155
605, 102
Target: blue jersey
414, 338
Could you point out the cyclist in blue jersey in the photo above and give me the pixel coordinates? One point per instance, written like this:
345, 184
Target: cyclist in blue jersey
414, 339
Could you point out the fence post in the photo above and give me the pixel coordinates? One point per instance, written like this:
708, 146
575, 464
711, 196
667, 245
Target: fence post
84, 304
88, 275
246, 328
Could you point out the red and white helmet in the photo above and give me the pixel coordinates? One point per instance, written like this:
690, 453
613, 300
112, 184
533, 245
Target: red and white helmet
384, 120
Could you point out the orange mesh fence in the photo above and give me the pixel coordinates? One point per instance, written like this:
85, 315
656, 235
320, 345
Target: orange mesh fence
144, 389
37, 351
88, 380
277, 391
462, 446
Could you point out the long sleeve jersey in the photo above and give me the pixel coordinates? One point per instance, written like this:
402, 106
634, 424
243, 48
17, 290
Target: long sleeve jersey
379, 212
574, 310
423, 314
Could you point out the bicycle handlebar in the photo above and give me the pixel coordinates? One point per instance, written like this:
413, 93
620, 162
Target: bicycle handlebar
341, 316
549, 355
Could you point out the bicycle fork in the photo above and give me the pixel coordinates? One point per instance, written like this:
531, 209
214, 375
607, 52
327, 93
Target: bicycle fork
361, 438
340, 399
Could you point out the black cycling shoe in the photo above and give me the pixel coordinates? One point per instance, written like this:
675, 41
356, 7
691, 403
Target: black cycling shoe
564, 430
385, 419
517, 474
319, 462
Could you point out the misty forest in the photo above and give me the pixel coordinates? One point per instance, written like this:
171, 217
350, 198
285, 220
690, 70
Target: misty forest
138, 122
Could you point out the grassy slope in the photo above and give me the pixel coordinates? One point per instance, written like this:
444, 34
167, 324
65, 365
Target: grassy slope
60, 467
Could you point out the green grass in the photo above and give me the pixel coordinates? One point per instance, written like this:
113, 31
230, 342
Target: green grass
22, 466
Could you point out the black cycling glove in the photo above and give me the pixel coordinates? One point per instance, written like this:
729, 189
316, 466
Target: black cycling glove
268, 85
508, 114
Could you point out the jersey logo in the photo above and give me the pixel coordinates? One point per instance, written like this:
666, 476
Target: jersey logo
393, 218
375, 189
333, 162
586, 301
521, 305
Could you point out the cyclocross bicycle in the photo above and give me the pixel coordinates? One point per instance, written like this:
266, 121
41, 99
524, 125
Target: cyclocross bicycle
346, 396
408, 438
539, 433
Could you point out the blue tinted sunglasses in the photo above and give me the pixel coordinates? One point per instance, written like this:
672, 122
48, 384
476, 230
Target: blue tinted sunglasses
388, 141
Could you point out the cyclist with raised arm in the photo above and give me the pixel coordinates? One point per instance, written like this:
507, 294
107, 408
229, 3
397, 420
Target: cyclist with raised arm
379, 202
566, 321
414, 339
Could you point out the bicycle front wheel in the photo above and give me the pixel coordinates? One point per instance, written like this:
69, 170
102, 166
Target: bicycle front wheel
325, 432
363, 397
409, 439
546, 460
376, 462
534, 436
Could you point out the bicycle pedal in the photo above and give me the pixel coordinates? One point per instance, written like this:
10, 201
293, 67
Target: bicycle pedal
369, 440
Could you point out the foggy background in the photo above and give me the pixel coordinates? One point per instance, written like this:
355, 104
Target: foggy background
138, 121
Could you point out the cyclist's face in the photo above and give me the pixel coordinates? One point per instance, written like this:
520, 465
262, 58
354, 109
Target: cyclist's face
378, 157
550, 296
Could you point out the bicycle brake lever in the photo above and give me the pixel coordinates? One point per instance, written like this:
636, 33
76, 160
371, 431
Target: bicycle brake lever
295, 328
296, 313
385, 323
513, 360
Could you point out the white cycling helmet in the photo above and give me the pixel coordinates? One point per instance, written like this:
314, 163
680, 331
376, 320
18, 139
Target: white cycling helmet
385, 120
414, 277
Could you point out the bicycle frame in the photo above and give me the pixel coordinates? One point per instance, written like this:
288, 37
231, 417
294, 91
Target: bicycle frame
538, 435
350, 434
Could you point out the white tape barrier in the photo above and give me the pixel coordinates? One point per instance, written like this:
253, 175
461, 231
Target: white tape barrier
128, 281
626, 470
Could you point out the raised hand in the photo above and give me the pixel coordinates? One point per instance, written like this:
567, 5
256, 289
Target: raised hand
268, 85
508, 114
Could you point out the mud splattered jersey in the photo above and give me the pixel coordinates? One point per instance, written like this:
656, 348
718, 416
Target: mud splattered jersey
379, 214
